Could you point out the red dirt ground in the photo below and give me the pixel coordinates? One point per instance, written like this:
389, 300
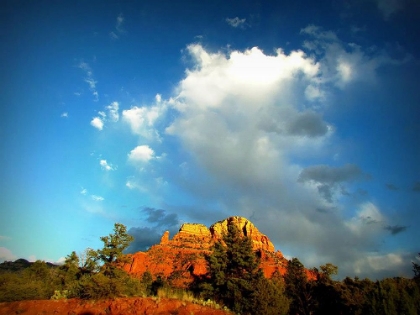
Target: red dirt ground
120, 306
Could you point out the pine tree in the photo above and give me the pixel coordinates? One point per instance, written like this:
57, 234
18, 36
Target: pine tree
298, 288
234, 272
111, 255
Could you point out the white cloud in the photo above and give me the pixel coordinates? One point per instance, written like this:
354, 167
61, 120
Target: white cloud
97, 123
106, 166
103, 117
344, 63
6, 255
368, 220
83, 191
235, 110
374, 263
142, 120
132, 184
97, 198
65, 115
236, 22
141, 153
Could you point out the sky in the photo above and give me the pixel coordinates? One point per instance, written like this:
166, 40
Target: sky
302, 116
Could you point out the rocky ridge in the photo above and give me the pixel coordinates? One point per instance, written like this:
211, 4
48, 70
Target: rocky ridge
182, 258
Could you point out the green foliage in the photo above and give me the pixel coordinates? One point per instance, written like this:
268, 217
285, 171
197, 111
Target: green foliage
236, 280
299, 289
111, 255
33, 283
269, 297
95, 274
147, 281
100, 274
325, 290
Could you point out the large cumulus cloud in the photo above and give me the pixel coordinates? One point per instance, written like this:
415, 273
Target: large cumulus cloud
250, 126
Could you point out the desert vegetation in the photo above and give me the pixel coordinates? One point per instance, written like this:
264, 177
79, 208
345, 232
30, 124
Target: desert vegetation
234, 282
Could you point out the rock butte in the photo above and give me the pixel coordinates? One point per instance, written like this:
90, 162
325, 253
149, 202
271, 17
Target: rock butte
182, 258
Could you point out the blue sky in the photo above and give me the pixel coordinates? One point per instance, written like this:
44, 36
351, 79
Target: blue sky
302, 117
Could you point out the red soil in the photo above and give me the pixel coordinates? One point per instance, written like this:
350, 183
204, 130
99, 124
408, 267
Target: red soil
120, 306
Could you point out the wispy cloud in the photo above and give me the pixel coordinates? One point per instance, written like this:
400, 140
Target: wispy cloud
345, 63
119, 29
106, 166
97, 198
89, 79
83, 191
64, 115
4, 238
120, 21
111, 115
236, 22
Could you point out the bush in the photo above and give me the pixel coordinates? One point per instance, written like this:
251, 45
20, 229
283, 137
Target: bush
17, 287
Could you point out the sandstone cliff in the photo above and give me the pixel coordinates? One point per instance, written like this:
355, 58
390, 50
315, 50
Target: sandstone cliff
181, 258
259, 240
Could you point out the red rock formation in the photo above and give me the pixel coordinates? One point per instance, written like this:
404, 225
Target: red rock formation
259, 240
181, 258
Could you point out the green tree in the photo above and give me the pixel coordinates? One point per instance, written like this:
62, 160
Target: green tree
99, 273
235, 278
326, 291
269, 297
112, 254
299, 289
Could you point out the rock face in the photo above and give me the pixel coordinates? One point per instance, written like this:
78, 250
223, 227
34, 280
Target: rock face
182, 258
259, 240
